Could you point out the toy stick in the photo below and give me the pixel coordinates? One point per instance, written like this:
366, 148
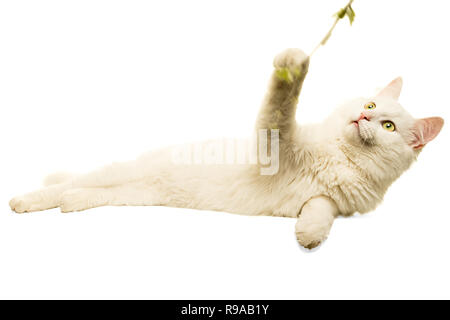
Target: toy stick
345, 11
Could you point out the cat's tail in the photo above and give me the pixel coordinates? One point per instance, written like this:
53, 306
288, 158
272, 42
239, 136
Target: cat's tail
57, 177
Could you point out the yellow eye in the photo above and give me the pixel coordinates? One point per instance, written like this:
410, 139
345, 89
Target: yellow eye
389, 126
370, 106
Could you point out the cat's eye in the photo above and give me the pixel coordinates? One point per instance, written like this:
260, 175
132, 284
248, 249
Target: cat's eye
370, 106
388, 125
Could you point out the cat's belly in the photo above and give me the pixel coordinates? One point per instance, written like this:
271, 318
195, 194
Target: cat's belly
236, 189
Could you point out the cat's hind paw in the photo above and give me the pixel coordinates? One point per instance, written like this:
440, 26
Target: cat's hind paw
43, 199
30, 203
18, 205
80, 199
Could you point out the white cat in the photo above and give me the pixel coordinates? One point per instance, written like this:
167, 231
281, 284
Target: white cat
341, 166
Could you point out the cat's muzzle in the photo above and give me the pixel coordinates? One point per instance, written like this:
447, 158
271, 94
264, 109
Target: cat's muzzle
366, 131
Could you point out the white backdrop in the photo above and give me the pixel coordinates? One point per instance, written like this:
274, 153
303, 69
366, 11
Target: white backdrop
83, 83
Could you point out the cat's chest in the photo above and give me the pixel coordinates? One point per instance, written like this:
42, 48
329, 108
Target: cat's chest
351, 187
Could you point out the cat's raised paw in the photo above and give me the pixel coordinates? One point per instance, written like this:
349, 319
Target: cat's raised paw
294, 60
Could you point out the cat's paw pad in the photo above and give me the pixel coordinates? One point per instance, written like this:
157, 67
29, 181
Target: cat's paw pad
74, 200
293, 60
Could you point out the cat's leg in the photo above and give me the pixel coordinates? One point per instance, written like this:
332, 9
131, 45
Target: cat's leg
279, 106
43, 199
49, 197
57, 178
130, 194
315, 221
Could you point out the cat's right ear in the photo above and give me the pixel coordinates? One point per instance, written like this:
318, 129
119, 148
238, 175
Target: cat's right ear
393, 89
425, 130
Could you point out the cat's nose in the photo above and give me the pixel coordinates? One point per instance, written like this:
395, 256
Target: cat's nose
363, 117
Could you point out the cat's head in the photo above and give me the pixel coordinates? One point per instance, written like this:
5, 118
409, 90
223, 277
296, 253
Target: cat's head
382, 129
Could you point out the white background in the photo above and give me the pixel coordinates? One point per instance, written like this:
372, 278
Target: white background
84, 83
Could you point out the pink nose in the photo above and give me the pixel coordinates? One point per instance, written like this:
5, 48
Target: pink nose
363, 117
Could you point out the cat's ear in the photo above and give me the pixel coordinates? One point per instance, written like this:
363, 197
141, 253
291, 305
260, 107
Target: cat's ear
425, 130
393, 89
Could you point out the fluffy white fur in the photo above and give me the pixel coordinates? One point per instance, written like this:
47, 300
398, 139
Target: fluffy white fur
338, 167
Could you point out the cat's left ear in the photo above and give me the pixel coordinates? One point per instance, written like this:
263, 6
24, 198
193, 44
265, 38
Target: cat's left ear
425, 130
393, 89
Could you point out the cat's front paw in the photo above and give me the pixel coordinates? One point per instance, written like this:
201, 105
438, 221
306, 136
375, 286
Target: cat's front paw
310, 235
307, 241
293, 60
